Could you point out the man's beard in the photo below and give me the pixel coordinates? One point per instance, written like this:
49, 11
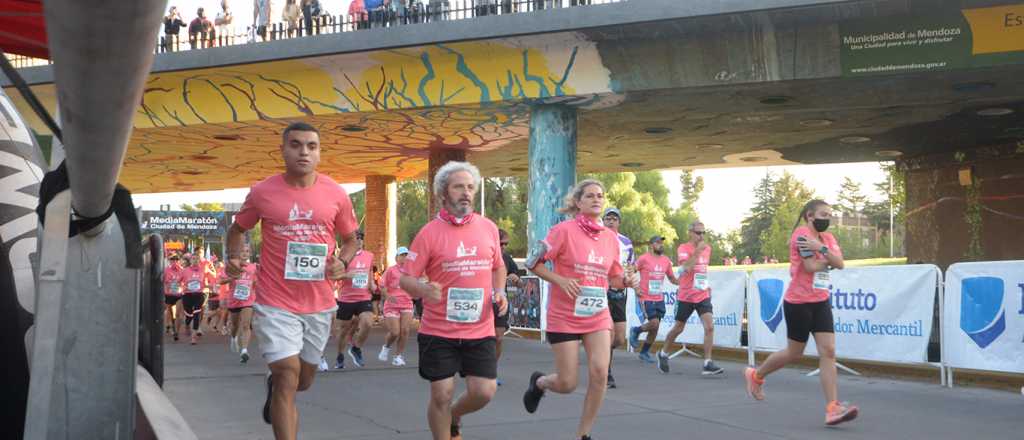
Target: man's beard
659, 251
458, 210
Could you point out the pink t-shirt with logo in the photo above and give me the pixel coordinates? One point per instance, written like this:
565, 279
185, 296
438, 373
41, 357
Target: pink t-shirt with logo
688, 291
462, 260
299, 227
652, 270
353, 290
242, 291
576, 255
398, 299
193, 279
806, 287
172, 280
223, 290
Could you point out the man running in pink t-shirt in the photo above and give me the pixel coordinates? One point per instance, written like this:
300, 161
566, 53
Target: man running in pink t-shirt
301, 212
459, 253
355, 311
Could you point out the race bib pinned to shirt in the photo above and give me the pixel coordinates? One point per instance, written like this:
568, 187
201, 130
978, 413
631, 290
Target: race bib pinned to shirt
361, 280
590, 301
653, 287
700, 281
175, 287
822, 280
193, 285
305, 261
242, 291
465, 305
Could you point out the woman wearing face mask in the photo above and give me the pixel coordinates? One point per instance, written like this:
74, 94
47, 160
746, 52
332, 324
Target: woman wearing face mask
806, 306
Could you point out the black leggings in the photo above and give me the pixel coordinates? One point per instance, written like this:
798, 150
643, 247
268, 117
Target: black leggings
193, 304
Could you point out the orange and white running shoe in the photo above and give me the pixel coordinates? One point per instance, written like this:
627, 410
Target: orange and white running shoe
753, 384
837, 412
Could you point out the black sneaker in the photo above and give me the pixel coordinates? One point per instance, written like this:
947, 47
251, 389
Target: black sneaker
586, 437
533, 394
270, 394
710, 369
663, 361
456, 435
339, 363
611, 381
357, 356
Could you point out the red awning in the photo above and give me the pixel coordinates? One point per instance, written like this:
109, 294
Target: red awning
22, 28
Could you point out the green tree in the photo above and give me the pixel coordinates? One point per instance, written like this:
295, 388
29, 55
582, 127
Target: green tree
359, 206
789, 195
691, 188
506, 205
893, 191
759, 220
412, 209
642, 216
650, 182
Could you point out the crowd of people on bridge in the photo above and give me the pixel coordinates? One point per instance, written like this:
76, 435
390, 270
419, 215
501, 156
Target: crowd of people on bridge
310, 17
313, 273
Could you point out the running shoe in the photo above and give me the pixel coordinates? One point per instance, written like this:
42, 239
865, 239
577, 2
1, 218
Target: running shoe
398, 361
199, 333
384, 352
710, 369
244, 358
175, 336
646, 357
456, 435
270, 394
634, 337
838, 412
167, 330
533, 394
753, 384
339, 364
234, 345
611, 381
663, 361
357, 356
194, 339
323, 364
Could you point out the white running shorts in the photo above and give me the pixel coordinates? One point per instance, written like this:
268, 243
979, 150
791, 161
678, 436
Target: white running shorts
283, 334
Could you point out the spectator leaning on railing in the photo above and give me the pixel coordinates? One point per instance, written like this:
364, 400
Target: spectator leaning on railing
291, 15
172, 27
200, 31
223, 22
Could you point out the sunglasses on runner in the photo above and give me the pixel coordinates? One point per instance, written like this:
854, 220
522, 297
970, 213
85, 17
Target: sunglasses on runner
698, 232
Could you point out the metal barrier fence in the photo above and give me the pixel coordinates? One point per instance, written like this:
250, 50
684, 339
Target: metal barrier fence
151, 309
386, 17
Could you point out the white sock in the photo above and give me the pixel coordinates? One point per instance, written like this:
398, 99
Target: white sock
706, 362
245, 350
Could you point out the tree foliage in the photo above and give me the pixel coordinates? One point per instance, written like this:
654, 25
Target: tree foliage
202, 207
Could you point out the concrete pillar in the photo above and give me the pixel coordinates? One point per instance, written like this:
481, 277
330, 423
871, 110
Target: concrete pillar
381, 219
552, 166
439, 157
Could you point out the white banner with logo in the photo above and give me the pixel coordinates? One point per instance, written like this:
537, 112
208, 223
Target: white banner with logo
727, 300
983, 318
881, 313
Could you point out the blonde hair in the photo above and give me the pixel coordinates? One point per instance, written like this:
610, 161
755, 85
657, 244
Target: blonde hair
574, 195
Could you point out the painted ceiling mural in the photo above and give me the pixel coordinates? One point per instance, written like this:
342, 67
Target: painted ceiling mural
379, 112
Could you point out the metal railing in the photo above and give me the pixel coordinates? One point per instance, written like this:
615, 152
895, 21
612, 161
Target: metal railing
423, 11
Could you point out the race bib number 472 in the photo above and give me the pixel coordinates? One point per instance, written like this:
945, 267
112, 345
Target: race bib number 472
590, 301
305, 261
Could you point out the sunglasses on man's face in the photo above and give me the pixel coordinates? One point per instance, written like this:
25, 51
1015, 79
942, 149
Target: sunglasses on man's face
504, 243
698, 232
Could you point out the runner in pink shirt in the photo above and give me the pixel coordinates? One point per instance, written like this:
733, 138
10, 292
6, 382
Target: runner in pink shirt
239, 301
172, 294
354, 301
193, 279
302, 214
216, 301
397, 311
459, 253
807, 309
585, 256
654, 269
694, 294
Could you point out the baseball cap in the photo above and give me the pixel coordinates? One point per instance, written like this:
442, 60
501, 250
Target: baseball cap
613, 211
657, 238
402, 251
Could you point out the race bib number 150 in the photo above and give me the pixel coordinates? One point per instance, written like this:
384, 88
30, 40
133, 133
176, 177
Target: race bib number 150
305, 261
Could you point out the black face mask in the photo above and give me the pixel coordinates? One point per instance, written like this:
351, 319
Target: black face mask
821, 224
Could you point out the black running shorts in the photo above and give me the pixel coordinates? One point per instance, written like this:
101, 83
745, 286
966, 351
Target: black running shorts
441, 358
347, 310
804, 319
685, 309
617, 304
171, 299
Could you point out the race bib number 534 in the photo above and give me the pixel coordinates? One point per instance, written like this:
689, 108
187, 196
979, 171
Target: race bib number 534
305, 261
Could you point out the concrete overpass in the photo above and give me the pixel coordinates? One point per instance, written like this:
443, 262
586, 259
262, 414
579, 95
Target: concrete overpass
937, 85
